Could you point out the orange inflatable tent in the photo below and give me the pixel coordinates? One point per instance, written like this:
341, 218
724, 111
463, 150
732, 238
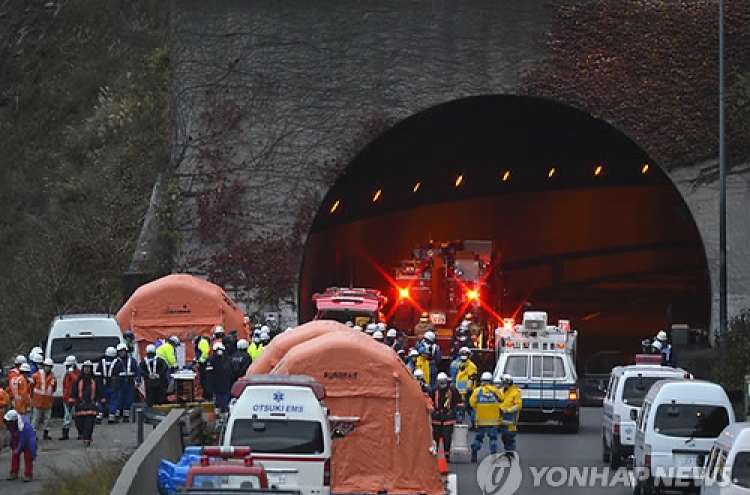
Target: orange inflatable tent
179, 304
281, 344
367, 380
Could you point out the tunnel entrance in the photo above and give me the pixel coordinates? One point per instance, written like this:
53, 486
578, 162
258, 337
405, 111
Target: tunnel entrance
582, 223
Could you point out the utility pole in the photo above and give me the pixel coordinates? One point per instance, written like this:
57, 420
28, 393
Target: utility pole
722, 193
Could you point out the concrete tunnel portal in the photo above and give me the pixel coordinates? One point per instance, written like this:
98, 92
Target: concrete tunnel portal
584, 224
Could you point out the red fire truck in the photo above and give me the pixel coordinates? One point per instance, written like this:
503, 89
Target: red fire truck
449, 280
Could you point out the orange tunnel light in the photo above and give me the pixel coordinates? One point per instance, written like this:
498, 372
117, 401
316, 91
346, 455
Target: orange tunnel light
459, 180
551, 172
644, 169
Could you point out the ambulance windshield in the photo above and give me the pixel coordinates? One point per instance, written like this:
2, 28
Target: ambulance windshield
279, 436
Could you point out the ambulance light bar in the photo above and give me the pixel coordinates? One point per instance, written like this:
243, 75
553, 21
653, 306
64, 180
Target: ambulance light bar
509, 323
647, 359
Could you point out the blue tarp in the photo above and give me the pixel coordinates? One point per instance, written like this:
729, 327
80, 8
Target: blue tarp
171, 476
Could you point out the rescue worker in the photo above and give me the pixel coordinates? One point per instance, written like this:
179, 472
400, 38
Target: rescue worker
371, 329
510, 409
380, 326
378, 336
463, 373
256, 347
661, 343
462, 338
218, 377
390, 337
108, 371
265, 336
4, 399
399, 345
486, 401
411, 362
71, 375
218, 335
129, 379
154, 372
423, 326
22, 441
420, 377
43, 391
446, 401
129, 337
423, 363
202, 350
428, 348
166, 351
15, 370
36, 359
87, 398
20, 389
239, 362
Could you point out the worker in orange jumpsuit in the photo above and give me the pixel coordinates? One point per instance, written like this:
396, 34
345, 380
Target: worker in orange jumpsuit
71, 376
20, 389
43, 391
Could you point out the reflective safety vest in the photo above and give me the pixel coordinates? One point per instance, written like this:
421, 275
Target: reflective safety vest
424, 365
510, 407
202, 350
44, 389
105, 371
254, 350
129, 372
19, 392
166, 352
486, 401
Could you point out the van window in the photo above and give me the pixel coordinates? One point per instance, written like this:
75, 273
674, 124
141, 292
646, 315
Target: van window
690, 420
517, 366
278, 436
82, 348
547, 367
741, 470
613, 386
643, 416
635, 388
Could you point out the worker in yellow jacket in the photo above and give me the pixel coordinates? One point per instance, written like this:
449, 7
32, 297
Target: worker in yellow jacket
486, 401
166, 351
510, 408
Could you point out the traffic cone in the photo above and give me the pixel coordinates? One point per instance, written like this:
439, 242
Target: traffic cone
442, 461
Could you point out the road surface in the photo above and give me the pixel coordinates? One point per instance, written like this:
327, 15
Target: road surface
109, 442
542, 447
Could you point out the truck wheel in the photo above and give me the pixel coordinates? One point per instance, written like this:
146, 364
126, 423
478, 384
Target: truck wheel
605, 451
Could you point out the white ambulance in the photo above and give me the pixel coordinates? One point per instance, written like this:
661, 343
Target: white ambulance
628, 386
283, 421
541, 360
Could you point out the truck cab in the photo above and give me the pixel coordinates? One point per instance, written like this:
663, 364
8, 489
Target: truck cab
541, 360
356, 305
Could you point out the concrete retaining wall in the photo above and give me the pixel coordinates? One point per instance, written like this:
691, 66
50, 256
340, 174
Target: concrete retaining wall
138, 477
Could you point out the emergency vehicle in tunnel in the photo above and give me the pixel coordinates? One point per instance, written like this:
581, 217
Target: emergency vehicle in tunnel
356, 305
448, 281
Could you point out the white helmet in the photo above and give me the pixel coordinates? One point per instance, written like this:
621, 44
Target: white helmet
442, 377
349, 323
219, 345
70, 361
151, 349
242, 344
36, 358
110, 352
37, 350
507, 378
371, 328
357, 328
418, 373
25, 367
264, 334
487, 377
219, 330
122, 347
413, 352
265, 329
657, 345
20, 359
378, 335
174, 340
430, 336
381, 326
465, 325
391, 333
464, 350
49, 362
662, 335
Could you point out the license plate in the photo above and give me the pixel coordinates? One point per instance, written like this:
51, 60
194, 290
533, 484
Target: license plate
682, 460
276, 478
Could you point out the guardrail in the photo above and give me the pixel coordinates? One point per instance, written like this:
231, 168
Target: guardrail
173, 431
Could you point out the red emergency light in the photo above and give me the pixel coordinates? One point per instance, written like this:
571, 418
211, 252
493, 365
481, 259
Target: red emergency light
647, 359
509, 323
403, 292
472, 295
226, 452
564, 325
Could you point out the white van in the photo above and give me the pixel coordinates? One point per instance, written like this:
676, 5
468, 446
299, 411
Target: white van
628, 386
283, 421
728, 469
676, 428
82, 336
